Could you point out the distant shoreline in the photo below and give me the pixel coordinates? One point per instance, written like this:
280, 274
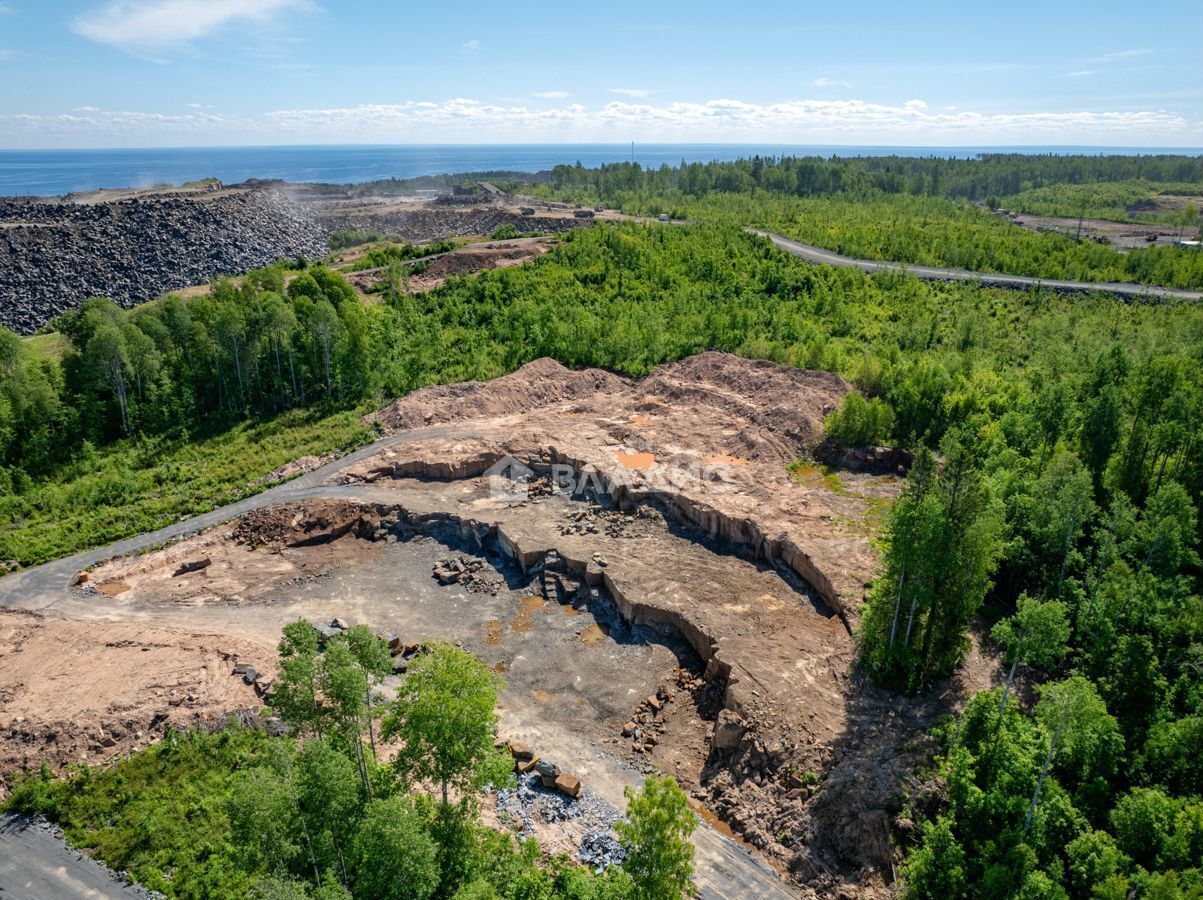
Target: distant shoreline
56, 172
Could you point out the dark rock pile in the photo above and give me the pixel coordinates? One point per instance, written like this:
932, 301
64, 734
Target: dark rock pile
54, 255
588, 820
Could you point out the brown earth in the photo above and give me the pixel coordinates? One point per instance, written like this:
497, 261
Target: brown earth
1121, 235
90, 691
469, 259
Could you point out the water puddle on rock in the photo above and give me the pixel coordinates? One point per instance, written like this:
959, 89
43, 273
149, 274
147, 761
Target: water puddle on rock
527, 607
710, 817
594, 634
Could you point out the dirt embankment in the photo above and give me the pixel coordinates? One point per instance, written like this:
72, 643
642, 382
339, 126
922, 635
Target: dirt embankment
88, 691
470, 259
56, 254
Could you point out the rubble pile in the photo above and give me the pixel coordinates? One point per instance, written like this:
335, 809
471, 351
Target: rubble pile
434, 222
586, 819
55, 254
595, 519
647, 725
472, 573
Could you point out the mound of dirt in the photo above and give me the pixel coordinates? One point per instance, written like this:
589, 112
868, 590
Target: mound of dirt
787, 403
74, 691
537, 384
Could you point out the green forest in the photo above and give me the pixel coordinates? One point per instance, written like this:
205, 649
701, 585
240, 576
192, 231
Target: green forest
1051, 514
916, 211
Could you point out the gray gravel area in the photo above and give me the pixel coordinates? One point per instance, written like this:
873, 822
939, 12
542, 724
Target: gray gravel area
37, 863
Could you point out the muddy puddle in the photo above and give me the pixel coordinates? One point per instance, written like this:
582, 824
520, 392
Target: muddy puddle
525, 620
594, 634
711, 818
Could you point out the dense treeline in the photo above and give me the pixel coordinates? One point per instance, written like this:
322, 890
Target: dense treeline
1075, 511
990, 175
318, 813
906, 210
249, 348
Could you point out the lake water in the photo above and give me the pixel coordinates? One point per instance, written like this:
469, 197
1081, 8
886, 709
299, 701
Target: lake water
56, 172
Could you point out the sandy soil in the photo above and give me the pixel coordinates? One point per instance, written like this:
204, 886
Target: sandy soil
1121, 235
87, 691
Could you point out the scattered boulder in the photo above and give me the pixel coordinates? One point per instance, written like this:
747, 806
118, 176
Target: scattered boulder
567, 784
548, 772
195, 565
727, 731
519, 750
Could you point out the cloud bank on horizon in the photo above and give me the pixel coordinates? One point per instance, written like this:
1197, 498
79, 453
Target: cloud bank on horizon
794, 121
211, 72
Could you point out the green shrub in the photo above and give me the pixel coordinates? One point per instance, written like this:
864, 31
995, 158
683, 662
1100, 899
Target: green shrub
861, 422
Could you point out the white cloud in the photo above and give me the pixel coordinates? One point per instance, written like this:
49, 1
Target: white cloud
141, 24
7, 54
639, 93
551, 95
1083, 73
830, 82
1118, 54
473, 44
797, 121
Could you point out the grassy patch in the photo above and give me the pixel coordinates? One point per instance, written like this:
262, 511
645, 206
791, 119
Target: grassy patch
52, 346
812, 475
160, 815
140, 485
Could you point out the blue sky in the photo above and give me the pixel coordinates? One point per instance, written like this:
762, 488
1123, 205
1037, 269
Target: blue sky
133, 73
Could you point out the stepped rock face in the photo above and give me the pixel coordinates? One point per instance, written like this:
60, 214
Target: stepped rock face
56, 254
708, 438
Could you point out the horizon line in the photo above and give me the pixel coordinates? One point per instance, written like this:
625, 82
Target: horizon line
769, 144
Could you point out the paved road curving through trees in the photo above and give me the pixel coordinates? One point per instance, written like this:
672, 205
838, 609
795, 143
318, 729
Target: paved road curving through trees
989, 279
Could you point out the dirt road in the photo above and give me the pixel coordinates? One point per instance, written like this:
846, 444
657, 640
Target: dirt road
989, 279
